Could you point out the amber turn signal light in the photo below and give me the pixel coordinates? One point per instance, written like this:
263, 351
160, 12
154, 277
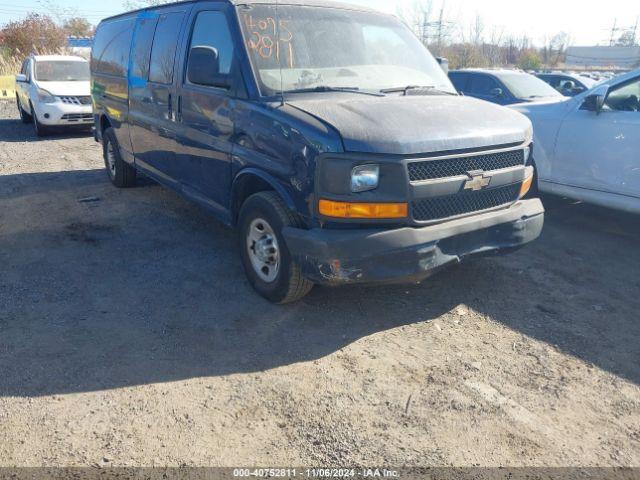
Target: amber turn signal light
526, 186
329, 208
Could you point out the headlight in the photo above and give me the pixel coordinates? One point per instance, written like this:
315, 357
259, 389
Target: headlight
365, 178
46, 97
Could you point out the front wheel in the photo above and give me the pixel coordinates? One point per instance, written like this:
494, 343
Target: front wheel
41, 130
265, 257
24, 116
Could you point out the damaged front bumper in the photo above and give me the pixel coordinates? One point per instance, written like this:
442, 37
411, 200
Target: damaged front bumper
408, 255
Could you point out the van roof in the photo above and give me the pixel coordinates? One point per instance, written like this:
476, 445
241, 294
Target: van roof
309, 3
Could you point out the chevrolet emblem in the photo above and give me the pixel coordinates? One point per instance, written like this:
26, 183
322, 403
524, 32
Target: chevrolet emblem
477, 181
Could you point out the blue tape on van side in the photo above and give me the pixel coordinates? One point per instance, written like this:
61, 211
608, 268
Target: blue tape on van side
133, 81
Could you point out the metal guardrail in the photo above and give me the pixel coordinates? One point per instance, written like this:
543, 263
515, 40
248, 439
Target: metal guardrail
7, 87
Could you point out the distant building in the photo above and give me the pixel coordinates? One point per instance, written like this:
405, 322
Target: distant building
80, 46
76, 42
624, 58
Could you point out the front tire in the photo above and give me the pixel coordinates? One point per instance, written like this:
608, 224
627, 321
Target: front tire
121, 174
41, 130
24, 116
265, 257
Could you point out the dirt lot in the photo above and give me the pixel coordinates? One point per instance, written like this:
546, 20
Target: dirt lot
129, 337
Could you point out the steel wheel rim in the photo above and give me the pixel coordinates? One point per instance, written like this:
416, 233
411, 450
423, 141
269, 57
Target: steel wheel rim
263, 249
111, 160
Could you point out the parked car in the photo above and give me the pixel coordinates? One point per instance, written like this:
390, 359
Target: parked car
54, 91
504, 87
587, 147
338, 148
568, 84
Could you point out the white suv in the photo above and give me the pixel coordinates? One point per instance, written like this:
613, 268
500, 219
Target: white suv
54, 91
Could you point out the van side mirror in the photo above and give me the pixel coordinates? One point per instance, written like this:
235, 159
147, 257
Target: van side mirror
204, 68
496, 92
21, 78
594, 102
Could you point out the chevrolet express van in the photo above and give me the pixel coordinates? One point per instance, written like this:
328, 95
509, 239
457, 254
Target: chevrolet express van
326, 134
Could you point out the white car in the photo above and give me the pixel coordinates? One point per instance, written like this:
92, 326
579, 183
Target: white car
588, 147
54, 91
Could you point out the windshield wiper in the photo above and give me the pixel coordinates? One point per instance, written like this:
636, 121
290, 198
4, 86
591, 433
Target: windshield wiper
431, 88
327, 88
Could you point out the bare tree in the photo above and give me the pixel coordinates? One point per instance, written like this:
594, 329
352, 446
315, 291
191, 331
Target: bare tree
135, 4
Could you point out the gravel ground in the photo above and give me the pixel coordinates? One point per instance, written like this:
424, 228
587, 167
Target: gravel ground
129, 337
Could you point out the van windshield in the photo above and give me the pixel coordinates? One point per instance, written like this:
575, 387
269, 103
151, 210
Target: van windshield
334, 48
62, 71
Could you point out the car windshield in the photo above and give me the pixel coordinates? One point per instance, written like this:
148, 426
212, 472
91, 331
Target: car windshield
62, 71
586, 81
527, 86
329, 48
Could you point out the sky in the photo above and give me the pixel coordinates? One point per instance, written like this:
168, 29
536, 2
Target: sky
539, 19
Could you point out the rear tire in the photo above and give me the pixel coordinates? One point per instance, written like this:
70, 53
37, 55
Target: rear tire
121, 174
265, 257
24, 116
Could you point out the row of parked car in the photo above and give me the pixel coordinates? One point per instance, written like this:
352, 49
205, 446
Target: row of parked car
332, 140
586, 141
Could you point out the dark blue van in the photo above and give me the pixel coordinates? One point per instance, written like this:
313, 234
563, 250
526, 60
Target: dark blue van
325, 133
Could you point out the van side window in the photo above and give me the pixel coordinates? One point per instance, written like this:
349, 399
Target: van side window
163, 53
212, 30
110, 53
142, 47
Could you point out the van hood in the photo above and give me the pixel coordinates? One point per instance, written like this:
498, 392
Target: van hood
67, 89
409, 125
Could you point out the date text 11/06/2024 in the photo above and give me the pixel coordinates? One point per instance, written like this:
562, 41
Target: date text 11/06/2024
315, 473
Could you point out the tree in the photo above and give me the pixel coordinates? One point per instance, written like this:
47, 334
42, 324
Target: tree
134, 4
530, 60
627, 39
78, 27
34, 34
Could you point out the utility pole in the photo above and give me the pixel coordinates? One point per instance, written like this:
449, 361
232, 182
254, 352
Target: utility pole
425, 28
613, 32
440, 27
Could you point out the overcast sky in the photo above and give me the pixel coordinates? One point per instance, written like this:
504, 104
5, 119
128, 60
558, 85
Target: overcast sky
587, 23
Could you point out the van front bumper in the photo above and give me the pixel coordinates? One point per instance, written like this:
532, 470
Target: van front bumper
409, 255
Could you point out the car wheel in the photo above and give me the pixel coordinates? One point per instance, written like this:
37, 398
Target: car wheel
41, 130
265, 257
24, 116
121, 174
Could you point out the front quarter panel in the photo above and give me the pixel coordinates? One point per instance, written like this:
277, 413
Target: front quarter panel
546, 119
284, 143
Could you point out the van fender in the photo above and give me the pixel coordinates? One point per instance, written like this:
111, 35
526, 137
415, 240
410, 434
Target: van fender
265, 177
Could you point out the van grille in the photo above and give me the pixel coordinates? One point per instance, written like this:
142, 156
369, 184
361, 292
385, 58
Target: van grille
453, 167
462, 203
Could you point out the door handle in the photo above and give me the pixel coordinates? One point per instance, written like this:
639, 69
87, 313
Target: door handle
170, 107
179, 114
